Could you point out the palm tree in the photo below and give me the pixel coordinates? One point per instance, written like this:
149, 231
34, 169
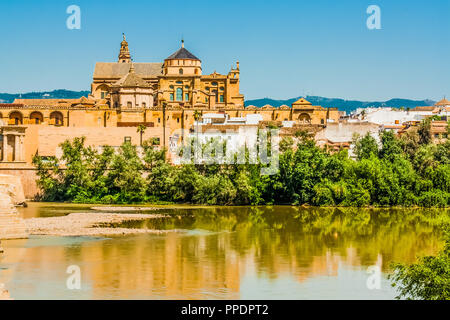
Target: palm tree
141, 129
363, 114
197, 115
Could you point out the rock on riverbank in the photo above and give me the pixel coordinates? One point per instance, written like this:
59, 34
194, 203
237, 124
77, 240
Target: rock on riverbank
4, 294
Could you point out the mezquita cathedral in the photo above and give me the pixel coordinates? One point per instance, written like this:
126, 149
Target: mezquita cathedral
164, 97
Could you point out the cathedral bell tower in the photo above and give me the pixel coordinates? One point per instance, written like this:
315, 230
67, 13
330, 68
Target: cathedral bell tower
124, 54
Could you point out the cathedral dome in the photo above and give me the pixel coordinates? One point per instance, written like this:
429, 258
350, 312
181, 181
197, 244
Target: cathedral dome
444, 102
182, 63
182, 53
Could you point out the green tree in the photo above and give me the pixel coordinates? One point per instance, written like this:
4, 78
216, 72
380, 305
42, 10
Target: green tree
365, 147
390, 146
424, 131
125, 175
428, 279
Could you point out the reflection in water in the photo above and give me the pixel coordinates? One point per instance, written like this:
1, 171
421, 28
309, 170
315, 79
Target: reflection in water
226, 253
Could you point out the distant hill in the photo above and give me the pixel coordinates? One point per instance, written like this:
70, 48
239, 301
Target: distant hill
343, 105
55, 94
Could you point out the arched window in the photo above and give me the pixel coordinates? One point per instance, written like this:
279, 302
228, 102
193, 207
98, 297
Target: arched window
180, 71
36, 117
102, 91
15, 118
304, 118
179, 94
56, 118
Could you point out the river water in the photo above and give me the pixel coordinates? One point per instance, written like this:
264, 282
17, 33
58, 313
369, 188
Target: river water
278, 252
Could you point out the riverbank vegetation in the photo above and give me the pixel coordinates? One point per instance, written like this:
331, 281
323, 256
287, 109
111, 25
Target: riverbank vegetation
428, 278
406, 171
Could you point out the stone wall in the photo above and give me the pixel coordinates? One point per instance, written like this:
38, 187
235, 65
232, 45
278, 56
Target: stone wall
13, 183
11, 225
27, 179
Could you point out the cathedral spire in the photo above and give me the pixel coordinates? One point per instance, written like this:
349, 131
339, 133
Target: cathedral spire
124, 54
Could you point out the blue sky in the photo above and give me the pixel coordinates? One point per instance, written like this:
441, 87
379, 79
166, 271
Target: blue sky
285, 48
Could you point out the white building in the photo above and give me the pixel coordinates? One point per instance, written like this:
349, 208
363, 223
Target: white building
390, 116
224, 119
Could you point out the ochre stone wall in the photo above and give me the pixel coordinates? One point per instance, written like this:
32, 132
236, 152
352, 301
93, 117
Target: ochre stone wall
51, 138
11, 225
27, 177
45, 141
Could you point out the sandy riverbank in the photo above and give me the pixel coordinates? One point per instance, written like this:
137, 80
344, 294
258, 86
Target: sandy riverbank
124, 209
88, 224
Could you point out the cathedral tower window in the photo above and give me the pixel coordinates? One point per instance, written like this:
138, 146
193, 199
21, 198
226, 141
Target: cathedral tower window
179, 94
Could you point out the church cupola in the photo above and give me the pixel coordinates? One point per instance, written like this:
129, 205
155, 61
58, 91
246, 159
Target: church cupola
124, 54
182, 62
